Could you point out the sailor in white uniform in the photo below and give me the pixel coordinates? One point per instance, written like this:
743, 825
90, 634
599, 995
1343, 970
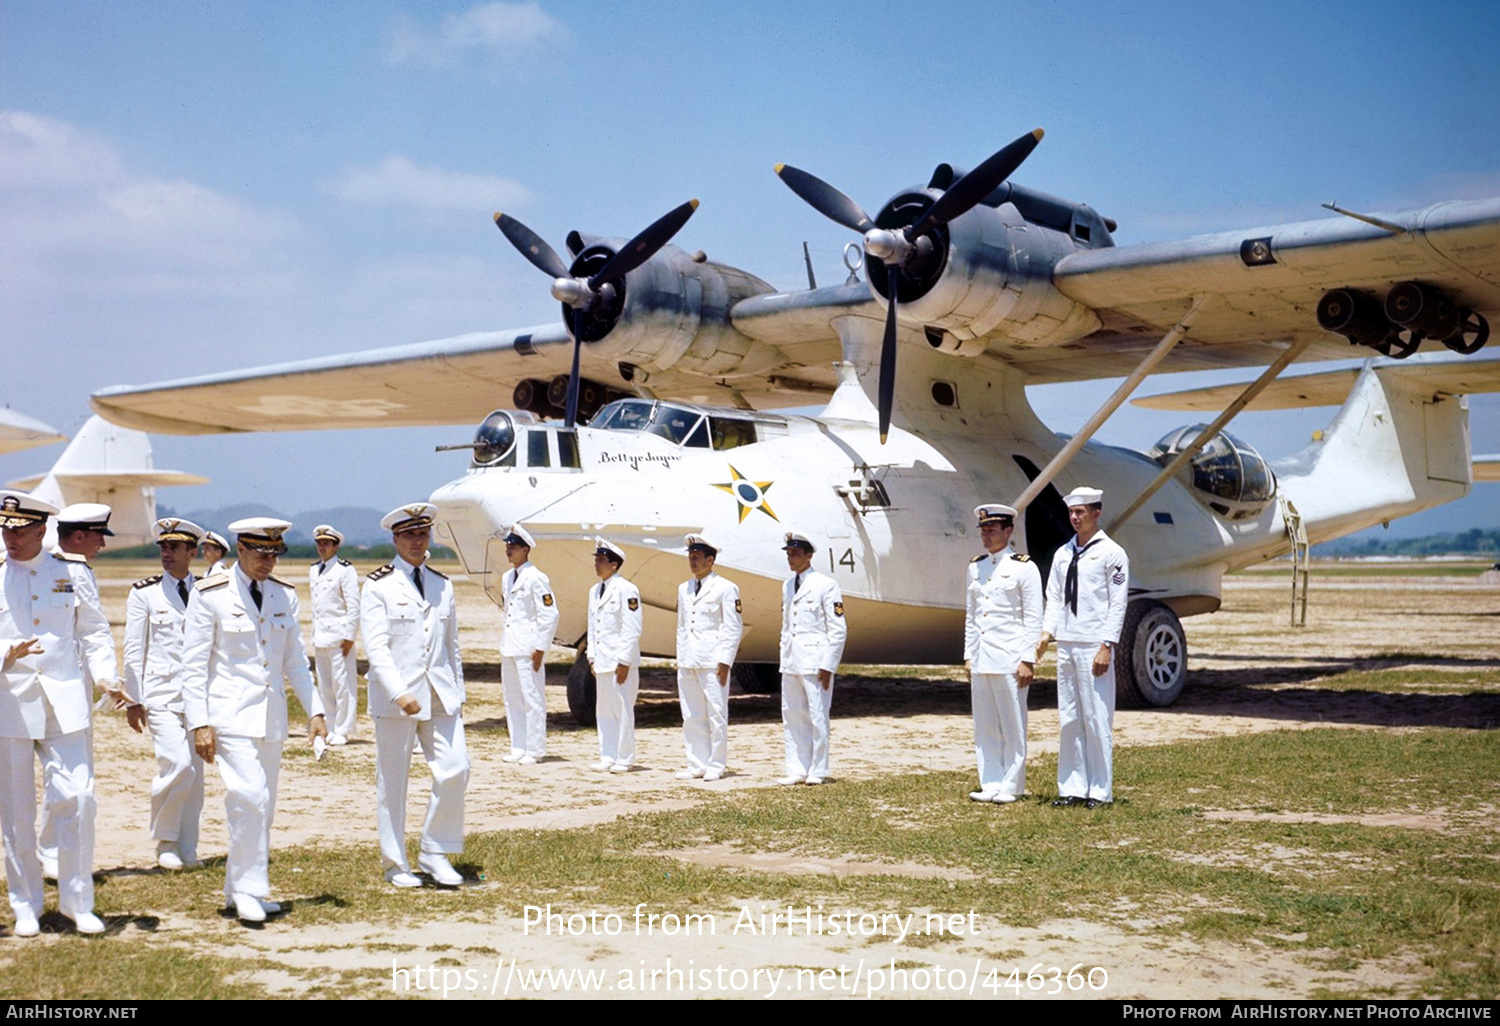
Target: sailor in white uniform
615, 656
241, 646
52, 626
333, 587
530, 622
1002, 624
812, 644
155, 616
214, 550
416, 683
1087, 593
709, 627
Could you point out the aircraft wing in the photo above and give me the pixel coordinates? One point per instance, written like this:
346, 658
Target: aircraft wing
1445, 372
1487, 468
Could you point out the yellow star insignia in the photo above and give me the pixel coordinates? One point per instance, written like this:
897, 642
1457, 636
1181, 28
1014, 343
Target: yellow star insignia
749, 494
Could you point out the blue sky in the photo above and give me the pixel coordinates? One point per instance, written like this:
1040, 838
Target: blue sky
187, 187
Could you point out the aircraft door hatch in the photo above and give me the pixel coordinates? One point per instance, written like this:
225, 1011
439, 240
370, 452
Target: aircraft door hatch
1047, 525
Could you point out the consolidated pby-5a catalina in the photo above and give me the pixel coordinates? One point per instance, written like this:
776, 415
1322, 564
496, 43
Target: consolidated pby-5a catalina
647, 413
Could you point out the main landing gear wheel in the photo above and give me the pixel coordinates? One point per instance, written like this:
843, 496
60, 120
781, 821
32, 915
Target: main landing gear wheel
1151, 659
581, 695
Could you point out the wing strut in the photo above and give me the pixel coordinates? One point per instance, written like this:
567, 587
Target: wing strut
1129, 385
1245, 398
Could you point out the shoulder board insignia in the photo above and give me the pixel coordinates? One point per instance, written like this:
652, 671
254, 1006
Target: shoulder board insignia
434, 572
982, 555
378, 573
71, 557
1020, 557
284, 584
146, 582
634, 604
838, 609
344, 562
738, 608
210, 583
547, 599
315, 562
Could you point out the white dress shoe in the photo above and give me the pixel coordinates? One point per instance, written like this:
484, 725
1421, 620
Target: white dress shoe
337, 739
88, 923
49, 867
526, 760
401, 878
620, 767
986, 795
26, 925
437, 866
249, 908
714, 774
514, 757
1003, 799
271, 908
167, 857
789, 780
689, 774
814, 781
604, 765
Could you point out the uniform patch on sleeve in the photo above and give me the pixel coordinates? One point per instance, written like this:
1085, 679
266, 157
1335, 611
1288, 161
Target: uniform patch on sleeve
738, 607
1119, 576
838, 609
547, 599
634, 604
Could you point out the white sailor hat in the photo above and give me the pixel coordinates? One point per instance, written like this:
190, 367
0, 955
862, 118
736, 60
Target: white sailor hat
85, 516
22, 509
1083, 496
215, 538
995, 513
329, 532
700, 541
263, 534
518, 535
798, 541
411, 517
605, 547
170, 529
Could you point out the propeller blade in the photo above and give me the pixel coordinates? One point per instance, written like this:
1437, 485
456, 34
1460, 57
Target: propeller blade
572, 413
644, 246
532, 246
887, 395
976, 185
825, 199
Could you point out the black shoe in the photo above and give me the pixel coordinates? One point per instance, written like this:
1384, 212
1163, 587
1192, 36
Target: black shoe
1067, 801
1092, 803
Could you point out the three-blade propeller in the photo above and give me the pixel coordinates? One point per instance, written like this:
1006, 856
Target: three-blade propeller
584, 294
896, 246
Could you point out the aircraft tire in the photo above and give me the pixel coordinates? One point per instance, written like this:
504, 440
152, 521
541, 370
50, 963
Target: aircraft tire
581, 696
756, 678
1151, 660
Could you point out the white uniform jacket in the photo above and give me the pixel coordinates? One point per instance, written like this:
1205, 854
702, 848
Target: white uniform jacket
411, 641
614, 625
530, 612
812, 625
154, 621
1002, 612
1103, 591
708, 623
52, 598
236, 660
335, 602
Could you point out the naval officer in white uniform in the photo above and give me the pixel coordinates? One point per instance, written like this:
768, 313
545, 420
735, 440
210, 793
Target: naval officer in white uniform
333, 587
709, 627
812, 644
1087, 593
214, 550
530, 622
416, 683
1002, 624
155, 616
241, 646
51, 627
615, 656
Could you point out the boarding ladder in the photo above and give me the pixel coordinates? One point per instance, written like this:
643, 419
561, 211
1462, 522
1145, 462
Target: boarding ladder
1296, 533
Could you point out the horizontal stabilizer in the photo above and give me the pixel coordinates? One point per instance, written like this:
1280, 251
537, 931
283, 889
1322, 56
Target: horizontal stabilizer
18, 431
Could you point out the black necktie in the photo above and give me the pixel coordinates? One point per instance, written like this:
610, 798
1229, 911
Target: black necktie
1070, 582
697, 585
255, 595
601, 589
182, 591
416, 578
796, 584
322, 569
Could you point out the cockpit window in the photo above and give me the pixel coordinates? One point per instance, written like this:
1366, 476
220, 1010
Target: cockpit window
678, 424
1226, 468
731, 434
625, 415
495, 441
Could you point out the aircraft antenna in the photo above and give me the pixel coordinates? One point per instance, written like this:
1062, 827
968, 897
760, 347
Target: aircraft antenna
812, 280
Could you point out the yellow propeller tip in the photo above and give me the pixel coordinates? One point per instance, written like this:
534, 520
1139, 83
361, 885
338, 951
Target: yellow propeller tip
779, 167
1038, 133
694, 203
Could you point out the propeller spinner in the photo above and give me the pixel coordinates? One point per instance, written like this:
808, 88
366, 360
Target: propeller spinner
598, 290
898, 248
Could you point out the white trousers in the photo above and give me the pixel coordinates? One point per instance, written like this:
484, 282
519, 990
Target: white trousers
249, 767
177, 790
705, 718
447, 756
338, 683
525, 705
1000, 732
1086, 717
614, 708
68, 795
804, 722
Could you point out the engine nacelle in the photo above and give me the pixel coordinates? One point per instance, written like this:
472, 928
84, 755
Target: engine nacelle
988, 272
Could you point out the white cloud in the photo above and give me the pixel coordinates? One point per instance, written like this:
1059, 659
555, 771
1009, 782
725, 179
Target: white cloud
397, 182
38, 152
490, 34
